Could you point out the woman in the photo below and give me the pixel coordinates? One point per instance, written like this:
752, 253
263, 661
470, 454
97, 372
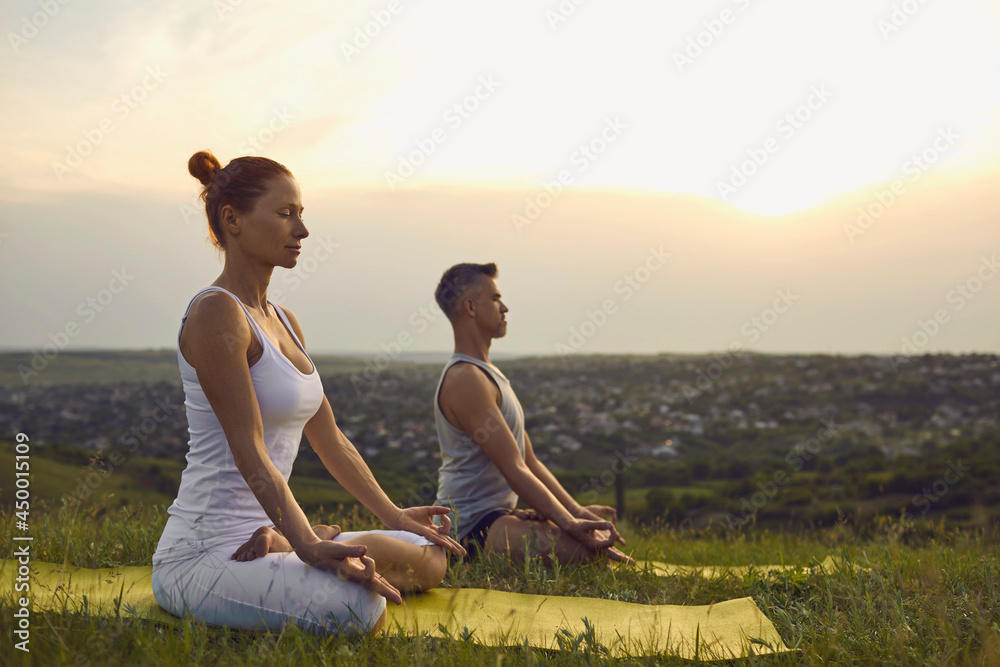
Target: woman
250, 392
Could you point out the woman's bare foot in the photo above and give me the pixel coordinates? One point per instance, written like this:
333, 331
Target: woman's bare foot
268, 539
326, 532
264, 540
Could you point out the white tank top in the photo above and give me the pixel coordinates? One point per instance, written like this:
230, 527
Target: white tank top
214, 504
468, 482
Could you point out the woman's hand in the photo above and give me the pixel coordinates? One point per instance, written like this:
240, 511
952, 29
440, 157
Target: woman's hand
349, 563
419, 520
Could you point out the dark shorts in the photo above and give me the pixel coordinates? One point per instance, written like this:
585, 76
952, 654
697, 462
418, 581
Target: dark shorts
475, 540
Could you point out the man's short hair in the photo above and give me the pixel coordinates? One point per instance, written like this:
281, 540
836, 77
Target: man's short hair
456, 280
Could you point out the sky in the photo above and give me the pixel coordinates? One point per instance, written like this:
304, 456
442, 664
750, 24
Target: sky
682, 177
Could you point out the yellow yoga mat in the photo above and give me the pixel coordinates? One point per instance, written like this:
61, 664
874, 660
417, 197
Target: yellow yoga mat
829, 564
730, 629
124, 590
733, 628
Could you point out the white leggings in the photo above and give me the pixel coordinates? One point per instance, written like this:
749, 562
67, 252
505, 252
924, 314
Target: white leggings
266, 593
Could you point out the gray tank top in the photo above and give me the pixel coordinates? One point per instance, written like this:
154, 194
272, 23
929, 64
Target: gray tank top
468, 482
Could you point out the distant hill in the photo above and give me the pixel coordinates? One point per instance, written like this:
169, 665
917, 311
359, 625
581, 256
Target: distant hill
112, 366
18, 369
66, 471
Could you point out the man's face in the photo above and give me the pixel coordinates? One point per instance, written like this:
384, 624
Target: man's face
490, 310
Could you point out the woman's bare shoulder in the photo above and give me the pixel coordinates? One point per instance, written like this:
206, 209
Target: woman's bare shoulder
294, 322
215, 322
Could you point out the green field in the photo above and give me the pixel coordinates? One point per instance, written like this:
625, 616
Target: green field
929, 592
138, 481
928, 595
147, 481
19, 369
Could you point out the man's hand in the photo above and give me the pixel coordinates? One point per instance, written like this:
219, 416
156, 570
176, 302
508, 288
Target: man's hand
419, 520
592, 513
615, 554
595, 535
611, 552
528, 515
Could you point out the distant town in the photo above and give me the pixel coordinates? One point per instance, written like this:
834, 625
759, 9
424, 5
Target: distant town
725, 416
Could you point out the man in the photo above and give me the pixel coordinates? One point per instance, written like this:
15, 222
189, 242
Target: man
487, 460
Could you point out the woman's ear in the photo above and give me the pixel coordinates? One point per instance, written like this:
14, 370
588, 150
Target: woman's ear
229, 220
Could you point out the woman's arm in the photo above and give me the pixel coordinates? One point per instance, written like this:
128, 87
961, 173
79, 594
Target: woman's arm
342, 460
215, 341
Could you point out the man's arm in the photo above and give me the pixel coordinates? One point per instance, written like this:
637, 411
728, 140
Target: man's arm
469, 400
546, 477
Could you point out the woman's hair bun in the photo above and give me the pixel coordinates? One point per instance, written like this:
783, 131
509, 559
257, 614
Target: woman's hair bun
202, 165
240, 185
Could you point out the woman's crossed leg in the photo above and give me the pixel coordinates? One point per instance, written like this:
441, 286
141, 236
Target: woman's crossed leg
409, 562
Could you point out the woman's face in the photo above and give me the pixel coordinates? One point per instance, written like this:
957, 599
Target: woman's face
272, 232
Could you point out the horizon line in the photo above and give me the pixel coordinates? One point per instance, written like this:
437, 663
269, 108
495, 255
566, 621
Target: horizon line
4, 350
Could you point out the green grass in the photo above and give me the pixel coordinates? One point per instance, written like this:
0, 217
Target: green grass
928, 594
136, 479
635, 497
